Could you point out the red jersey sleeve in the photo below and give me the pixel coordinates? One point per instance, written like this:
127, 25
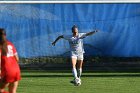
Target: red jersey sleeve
14, 50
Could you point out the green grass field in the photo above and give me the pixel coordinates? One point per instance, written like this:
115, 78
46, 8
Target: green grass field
59, 82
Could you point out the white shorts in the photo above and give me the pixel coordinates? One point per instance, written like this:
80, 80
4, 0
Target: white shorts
78, 56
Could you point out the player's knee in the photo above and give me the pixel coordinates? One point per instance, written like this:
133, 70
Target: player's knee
73, 65
79, 67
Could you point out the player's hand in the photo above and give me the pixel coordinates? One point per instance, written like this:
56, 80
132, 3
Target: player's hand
96, 30
53, 43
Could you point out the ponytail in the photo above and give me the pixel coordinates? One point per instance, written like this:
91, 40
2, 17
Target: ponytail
3, 42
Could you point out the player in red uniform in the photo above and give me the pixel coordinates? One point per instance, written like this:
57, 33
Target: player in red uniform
10, 71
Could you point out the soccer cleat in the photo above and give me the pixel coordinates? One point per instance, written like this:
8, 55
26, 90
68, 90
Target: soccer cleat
78, 82
74, 81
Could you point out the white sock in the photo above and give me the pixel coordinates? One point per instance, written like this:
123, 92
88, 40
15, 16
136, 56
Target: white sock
79, 72
74, 71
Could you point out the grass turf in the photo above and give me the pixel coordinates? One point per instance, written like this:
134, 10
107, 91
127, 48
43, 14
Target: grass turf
59, 82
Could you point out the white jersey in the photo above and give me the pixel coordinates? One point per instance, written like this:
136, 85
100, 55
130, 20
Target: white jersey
76, 43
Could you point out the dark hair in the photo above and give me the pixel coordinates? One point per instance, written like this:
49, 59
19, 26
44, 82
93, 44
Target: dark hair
3, 41
73, 28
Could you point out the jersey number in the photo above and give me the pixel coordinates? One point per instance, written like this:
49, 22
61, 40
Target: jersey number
10, 51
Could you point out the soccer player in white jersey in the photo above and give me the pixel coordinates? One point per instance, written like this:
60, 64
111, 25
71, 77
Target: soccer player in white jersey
77, 51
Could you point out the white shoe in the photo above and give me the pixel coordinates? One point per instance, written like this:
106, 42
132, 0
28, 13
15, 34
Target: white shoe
78, 81
74, 81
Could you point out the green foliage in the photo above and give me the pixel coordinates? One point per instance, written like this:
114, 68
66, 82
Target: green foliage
90, 63
44, 60
87, 59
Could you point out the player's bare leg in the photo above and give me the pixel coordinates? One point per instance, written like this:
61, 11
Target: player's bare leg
13, 87
79, 70
74, 71
79, 66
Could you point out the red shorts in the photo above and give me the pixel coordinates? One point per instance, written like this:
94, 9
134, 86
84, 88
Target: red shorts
10, 76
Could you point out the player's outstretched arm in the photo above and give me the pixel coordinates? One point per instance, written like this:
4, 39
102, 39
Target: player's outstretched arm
92, 32
59, 37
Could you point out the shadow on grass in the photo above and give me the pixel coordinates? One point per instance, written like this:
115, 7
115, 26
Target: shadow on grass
100, 75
